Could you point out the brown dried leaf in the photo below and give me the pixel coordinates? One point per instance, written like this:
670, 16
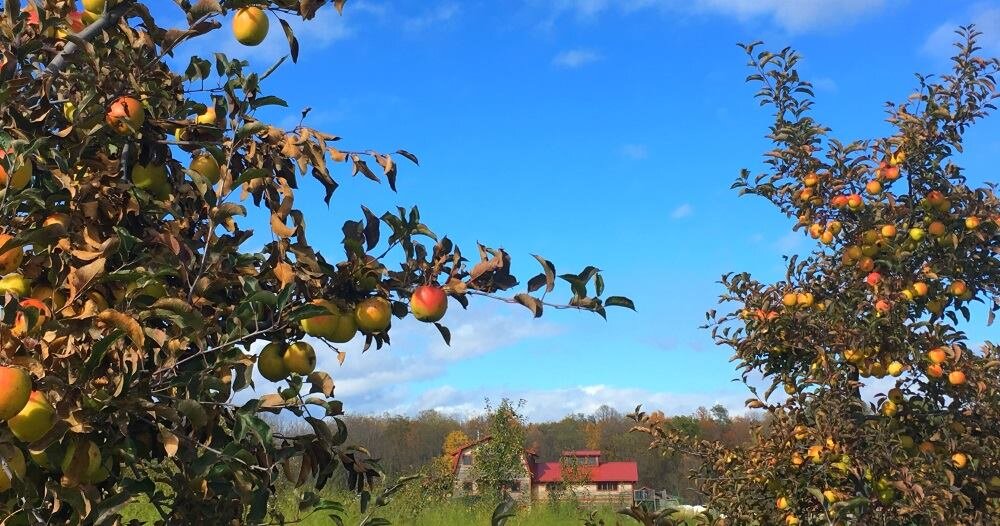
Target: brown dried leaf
126, 323
170, 442
283, 271
80, 277
279, 227
321, 383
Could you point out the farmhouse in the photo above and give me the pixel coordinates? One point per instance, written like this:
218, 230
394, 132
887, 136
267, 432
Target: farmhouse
578, 474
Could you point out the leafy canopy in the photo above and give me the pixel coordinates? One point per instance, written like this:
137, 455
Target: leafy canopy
141, 308
907, 250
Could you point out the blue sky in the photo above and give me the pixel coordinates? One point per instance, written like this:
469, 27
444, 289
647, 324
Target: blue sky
591, 132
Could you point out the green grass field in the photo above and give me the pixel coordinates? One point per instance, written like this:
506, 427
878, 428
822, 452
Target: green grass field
447, 513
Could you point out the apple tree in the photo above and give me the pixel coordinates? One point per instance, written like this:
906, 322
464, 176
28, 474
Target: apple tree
889, 412
132, 311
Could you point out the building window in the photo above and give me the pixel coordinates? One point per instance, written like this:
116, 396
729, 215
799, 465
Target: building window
467, 459
554, 487
607, 486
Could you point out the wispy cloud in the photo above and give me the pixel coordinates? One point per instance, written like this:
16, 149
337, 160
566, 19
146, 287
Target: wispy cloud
987, 20
635, 152
399, 379
824, 84
793, 16
575, 58
682, 211
790, 242
381, 379
433, 17
553, 404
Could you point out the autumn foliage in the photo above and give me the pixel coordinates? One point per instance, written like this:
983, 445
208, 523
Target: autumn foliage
132, 309
887, 413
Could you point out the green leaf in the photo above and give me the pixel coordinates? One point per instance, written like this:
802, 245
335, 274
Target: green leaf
258, 506
269, 100
273, 67
293, 43
549, 270
505, 510
285, 295
619, 301
249, 175
250, 128
106, 511
100, 349
410, 156
445, 333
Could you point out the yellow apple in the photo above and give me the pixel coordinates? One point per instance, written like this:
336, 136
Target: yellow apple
206, 165
300, 358
36, 419
250, 26
15, 390
15, 284
271, 363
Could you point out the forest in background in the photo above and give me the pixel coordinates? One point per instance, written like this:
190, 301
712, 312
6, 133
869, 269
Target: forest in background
411, 444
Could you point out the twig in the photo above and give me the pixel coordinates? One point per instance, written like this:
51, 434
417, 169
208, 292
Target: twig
230, 343
514, 301
210, 449
109, 18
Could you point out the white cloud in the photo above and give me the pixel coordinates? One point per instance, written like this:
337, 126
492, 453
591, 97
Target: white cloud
987, 20
794, 16
553, 404
389, 380
635, 152
575, 58
790, 242
381, 380
427, 20
682, 211
824, 84
373, 8
479, 336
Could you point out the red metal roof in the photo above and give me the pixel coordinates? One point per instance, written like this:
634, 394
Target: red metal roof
582, 453
607, 472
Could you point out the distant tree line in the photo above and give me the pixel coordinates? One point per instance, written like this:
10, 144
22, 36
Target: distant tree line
420, 444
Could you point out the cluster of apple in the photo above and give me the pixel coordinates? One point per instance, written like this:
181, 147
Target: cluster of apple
886, 172
428, 303
818, 452
74, 21
127, 114
250, 24
827, 451
800, 300
29, 416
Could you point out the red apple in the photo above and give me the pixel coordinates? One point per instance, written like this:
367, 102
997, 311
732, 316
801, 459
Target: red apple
428, 303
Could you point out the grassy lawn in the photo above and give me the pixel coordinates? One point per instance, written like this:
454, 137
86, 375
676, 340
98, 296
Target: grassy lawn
447, 513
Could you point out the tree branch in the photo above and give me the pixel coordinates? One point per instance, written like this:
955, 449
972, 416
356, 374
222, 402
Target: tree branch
107, 19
